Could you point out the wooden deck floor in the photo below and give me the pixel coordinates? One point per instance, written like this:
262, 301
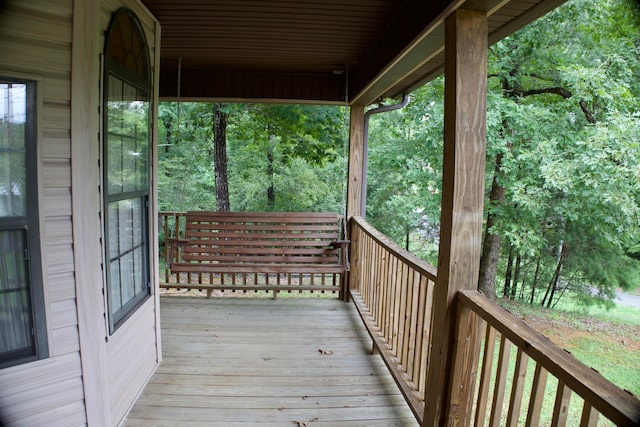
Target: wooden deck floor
260, 362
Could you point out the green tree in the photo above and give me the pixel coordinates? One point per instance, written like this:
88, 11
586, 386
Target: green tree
563, 160
567, 84
296, 150
405, 171
271, 144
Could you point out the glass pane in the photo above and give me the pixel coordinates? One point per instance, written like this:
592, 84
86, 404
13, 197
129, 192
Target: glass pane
127, 275
138, 265
114, 224
15, 303
13, 115
115, 299
128, 209
127, 246
127, 137
114, 136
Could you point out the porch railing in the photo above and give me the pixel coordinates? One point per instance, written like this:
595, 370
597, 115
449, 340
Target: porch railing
172, 226
532, 382
392, 289
494, 381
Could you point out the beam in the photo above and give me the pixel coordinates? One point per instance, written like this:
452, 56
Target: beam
412, 38
466, 44
229, 86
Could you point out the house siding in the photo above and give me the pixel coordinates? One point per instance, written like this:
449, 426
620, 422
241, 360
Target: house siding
89, 377
35, 43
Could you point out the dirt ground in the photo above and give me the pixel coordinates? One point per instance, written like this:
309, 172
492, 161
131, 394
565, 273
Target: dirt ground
564, 333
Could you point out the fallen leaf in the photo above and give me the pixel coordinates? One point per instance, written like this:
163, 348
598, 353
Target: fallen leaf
305, 423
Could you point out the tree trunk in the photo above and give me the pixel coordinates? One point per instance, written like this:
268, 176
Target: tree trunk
407, 234
516, 277
167, 127
535, 281
523, 283
557, 274
491, 244
220, 158
271, 191
553, 284
507, 275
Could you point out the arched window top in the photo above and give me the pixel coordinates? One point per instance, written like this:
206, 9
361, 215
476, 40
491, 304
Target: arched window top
126, 45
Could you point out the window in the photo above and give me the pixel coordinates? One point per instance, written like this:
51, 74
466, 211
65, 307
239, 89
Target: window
126, 152
23, 335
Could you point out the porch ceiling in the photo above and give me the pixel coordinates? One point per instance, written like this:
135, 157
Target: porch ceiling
314, 51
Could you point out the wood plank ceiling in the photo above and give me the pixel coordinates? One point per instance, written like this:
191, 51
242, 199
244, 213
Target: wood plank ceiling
331, 51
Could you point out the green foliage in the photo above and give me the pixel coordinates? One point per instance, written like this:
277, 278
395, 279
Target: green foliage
304, 143
405, 171
571, 162
564, 117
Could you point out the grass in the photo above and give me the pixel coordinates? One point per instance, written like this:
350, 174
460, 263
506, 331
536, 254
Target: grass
607, 340
623, 314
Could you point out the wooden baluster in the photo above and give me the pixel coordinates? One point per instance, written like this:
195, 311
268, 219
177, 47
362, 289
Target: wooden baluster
589, 416
561, 407
412, 323
401, 312
393, 302
515, 403
485, 376
537, 396
501, 380
167, 247
382, 289
422, 333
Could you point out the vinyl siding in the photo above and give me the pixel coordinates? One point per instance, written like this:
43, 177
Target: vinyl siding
35, 43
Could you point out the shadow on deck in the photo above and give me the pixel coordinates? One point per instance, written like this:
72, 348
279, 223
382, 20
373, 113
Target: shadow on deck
249, 361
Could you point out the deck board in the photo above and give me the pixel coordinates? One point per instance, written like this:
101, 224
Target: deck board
252, 361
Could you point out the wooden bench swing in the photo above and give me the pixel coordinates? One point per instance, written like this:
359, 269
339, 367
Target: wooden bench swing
264, 251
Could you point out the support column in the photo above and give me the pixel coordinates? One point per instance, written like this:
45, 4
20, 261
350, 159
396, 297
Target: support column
462, 194
354, 185
356, 157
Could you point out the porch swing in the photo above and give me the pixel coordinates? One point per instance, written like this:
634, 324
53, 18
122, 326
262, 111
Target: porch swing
255, 251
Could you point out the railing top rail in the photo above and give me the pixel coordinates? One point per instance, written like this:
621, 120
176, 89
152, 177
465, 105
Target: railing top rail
405, 256
169, 213
240, 214
620, 406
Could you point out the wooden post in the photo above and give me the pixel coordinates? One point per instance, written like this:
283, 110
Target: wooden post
462, 193
354, 182
356, 156
464, 369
